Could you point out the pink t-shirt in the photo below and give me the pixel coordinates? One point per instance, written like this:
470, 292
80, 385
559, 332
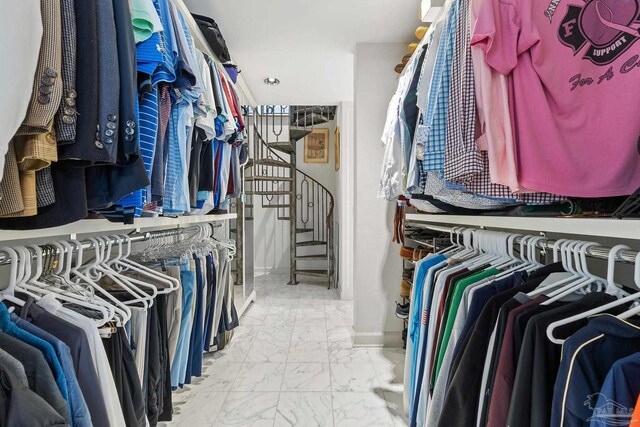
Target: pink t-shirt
575, 69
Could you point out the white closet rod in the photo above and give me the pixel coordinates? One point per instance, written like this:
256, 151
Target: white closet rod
134, 237
600, 252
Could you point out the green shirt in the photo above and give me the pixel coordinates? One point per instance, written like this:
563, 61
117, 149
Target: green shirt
145, 19
456, 298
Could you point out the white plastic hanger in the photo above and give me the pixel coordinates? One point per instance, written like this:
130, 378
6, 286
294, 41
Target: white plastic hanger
8, 294
625, 300
40, 287
121, 309
123, 261
454, 245
139, 296
636, 277
564, 246
582, 283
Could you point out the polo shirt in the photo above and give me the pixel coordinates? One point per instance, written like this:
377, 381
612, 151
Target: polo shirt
144, 19
455, 302
501, 337
539, 361
434, 406
620, 388
500, 391
415, 315
460, 404
420, 365
587, 357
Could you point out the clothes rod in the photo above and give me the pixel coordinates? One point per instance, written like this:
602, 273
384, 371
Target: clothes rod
114, 239
600, 252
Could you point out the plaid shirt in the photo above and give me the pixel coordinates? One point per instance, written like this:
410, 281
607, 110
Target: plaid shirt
435, 114
462, 159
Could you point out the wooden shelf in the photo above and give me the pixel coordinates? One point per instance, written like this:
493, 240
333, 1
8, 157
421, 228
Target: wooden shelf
95, 226
601, 227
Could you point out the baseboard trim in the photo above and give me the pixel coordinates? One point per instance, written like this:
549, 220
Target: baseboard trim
263, 271
377, 339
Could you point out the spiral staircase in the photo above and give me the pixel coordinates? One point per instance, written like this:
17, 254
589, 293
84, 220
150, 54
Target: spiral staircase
273, 181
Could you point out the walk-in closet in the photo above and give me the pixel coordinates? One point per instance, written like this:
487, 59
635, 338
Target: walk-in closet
417, 213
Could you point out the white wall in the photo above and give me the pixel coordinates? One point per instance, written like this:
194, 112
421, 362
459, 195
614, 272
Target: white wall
345, 189
377, 265
324, 173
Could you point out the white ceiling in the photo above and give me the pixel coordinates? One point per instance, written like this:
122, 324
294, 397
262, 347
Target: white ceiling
307, 44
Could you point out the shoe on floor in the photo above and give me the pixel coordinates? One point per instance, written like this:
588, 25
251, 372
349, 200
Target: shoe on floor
405, 289
402, 311
406, 253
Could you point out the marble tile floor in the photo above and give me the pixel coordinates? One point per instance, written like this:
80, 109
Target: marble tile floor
292, 363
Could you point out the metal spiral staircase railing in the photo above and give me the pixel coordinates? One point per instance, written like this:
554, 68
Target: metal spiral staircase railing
297, 198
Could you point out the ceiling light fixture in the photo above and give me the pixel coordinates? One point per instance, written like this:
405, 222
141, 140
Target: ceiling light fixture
271, 81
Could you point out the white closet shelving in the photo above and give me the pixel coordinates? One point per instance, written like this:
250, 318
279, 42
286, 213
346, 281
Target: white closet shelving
602, 227
87, 226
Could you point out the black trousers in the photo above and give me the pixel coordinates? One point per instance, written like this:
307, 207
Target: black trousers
124, 372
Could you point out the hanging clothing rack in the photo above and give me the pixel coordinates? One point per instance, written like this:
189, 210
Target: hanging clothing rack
133, 238
600, 252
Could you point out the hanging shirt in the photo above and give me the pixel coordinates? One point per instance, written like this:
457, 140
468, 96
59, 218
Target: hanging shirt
107, 386
621, 386
574, 68
539, 361
73, 337
78, 406
32, 401
587, 357
144, 18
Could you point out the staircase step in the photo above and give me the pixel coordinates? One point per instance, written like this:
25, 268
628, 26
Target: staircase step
304, 230
321, 257
296, 134
268, 193
268, 178
285, 147
311, 243
284, 205
311, 119
314, 273
268, 162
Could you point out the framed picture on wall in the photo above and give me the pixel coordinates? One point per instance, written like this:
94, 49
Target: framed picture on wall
336, 147
316, 146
